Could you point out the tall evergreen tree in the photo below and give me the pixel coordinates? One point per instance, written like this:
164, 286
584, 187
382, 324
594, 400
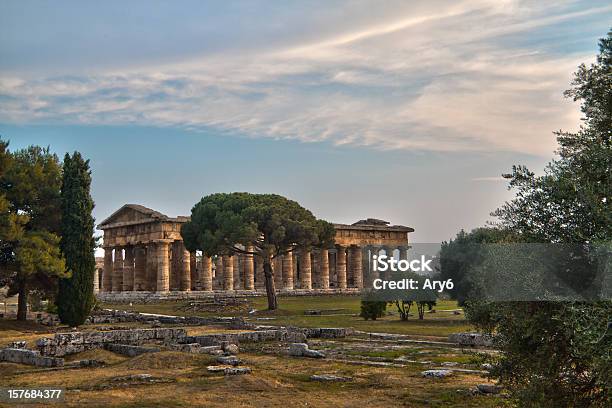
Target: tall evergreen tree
75, 297
30, 257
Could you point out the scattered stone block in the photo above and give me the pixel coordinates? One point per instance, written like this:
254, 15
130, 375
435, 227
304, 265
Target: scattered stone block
228, 370
231, 348
237, 370
229, 360
436, 373
129, 350
18, 344
330, 378
186, 348
29, 357
488, 388
302, 350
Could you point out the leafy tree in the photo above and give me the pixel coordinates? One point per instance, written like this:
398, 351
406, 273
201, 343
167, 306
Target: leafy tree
75, 298
30, 258
461, 254
558, 353
372, 309
265, 225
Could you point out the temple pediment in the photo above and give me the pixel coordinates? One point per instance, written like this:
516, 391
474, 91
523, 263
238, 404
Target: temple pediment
132, 214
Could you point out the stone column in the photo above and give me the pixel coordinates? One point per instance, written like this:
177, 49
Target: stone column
296, 282
315, 269
373, 274
249, 270
96, 281
277, 267
185, 271
356, 266
195, 281
288, 271
218, 283
324, 269
305, 270
331, 260
228, 272
118, 270
163, 266
206, 275
403, 253
260, 279
140, 268
107, 275
237, 272
128, 269
341, 267
151, 274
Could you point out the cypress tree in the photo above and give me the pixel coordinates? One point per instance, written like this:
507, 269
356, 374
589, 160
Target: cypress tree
75, 298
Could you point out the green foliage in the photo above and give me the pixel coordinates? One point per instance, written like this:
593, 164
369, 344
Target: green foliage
558, 353
371, 309
460, 255
30, 258
266, 225
75, 297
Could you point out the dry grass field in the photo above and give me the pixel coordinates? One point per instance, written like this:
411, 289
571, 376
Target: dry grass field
378, 378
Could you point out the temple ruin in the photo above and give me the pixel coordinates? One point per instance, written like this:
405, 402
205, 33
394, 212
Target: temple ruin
144, 252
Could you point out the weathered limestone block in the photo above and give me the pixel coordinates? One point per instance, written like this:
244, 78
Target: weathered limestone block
228, 370
18, 344
129, 350
329, 378
302, 350
29, 357
436, 373
186, 348
229, 360
471, 339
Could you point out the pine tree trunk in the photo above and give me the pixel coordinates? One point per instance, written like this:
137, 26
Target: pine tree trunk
22, 302
270, 289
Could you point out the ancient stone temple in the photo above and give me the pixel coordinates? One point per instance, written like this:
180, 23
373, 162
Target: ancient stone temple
144, 252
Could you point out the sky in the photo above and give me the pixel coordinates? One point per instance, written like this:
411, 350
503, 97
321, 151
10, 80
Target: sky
404, 111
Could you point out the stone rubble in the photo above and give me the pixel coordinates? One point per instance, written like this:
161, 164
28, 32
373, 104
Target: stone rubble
229, 360
29, 357
436, 373
129, 350
330, 378
228, 370
302, 350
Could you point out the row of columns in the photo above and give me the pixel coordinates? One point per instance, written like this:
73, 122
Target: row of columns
148, 267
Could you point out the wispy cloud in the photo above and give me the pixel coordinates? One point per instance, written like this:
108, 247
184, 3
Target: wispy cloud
466, 76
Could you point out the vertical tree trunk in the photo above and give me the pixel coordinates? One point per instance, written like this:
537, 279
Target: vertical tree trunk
270, 289
22, 302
